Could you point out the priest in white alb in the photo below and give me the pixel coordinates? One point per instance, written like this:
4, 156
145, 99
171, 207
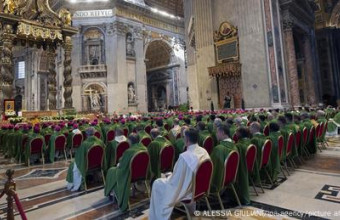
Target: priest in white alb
167, 192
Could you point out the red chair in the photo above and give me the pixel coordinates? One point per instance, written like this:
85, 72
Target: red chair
146, 141
121, 148
178, 136
280, 146
265, 157
298, 140
250, 162
200, 185
266, 130
77, 140
126, 132
60, 144
148, 129
139, 166
36, 147
167, 127
208, 144
166, 158
110, 136
97, 134
311, 137
289, 148
235, 138
95, 156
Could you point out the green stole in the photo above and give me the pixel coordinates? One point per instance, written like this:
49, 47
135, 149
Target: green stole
110, 152
258, 140
51, 145
242, 185
274, 163
118, 178
218, 157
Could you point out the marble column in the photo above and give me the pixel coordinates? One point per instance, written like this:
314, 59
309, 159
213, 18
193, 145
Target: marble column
7, 77
68, 73
52, 82
311, 95
291, 63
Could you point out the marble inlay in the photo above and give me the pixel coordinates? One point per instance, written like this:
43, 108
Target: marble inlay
329, 193
42, 173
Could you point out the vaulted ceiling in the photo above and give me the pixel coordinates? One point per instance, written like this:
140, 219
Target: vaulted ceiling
174, 7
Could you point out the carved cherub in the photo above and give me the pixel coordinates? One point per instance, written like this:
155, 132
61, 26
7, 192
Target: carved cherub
65, 16
9, 6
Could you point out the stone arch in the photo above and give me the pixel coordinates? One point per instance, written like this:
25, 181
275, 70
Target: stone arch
165, 45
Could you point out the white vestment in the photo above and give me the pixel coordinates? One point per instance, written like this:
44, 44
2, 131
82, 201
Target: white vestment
167, 192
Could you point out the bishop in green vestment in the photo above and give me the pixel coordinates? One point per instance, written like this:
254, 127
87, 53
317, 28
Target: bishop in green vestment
111, 148
158, 143
77, 169
51, 145
118, 178
36, 134
219, 155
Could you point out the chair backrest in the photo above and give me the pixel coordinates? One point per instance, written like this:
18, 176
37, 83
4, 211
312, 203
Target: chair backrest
208, 144
231, 168
97, 134
121, 148
110, 136
235, 138
266, 151
251, 157
290, 144
167, 137
325, 128
24, 141
60, 142
280, 145
322, 129
47, 138
167, 127
146, 141
298, 139
126, 132
95, 157
178, 136
147, 129
202, 179
65, 134
167, 156
305, 135
37, 145
77, 139
266, 130
139, 166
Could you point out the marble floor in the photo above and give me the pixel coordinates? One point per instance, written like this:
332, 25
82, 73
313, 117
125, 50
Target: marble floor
311, 192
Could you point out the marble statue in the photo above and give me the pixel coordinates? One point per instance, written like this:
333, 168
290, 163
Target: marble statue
131, 93
95, 100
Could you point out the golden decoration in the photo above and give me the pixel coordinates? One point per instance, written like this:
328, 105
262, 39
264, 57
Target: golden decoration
65, 16
9, 6
28, 30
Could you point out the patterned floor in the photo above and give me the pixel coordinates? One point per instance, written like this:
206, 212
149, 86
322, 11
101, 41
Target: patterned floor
311, 192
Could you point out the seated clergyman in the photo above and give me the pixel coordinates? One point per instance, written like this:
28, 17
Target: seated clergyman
166, 192
77, 169
117, 178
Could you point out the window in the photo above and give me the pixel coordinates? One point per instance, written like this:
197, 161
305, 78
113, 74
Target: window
21, 70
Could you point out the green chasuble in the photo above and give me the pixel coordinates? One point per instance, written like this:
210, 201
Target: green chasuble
312, 148
110, 152
284, 132
242, 183
294, 129
218, 157
274, 163
19, 147
258, 140
51, 145
12, 137
154, 150
31, 137
118, 178
202, 136
179, 148
7, 139
81, 157
143, 134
